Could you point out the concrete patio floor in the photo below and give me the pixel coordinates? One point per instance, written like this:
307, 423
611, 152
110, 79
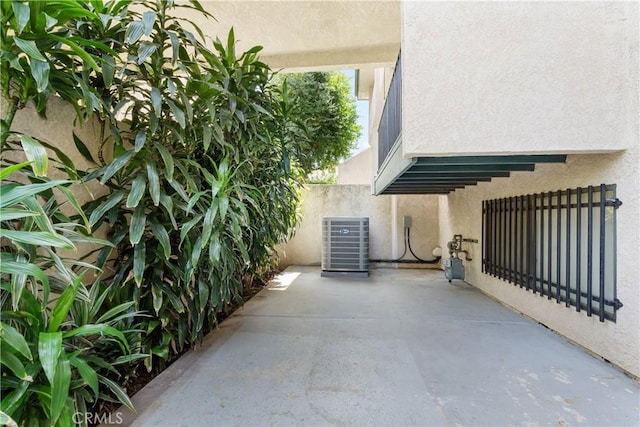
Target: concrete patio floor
402, 348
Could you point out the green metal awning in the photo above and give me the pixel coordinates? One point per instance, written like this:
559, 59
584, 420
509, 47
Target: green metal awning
441, 175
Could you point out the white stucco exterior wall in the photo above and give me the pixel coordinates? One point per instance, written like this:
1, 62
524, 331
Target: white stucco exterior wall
356, 170
461, 212
318, 201
517, 77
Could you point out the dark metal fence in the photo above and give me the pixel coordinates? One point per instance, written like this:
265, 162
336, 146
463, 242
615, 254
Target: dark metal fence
559, 244
390, 125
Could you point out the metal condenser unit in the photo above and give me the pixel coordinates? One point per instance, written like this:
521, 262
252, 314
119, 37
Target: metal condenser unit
345, 246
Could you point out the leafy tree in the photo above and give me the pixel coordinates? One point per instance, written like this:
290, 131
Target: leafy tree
324, 111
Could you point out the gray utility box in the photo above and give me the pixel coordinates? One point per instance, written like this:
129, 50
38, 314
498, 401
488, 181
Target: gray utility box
453, 269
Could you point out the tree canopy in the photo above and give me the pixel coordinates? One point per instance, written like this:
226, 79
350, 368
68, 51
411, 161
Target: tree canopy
324, 111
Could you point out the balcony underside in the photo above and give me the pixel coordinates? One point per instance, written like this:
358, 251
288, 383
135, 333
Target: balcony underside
442, 175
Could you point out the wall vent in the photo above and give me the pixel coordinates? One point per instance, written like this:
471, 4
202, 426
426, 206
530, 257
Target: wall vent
345, 246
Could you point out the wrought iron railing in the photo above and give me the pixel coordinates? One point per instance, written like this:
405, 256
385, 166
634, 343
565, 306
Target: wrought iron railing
390, 125
559, 244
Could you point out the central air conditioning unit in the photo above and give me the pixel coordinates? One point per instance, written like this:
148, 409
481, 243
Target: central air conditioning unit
345, 247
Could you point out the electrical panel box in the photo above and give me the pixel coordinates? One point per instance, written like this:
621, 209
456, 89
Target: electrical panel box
453, 269
407, 221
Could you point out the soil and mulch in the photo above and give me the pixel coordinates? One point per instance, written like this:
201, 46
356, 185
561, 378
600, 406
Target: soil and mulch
140, 377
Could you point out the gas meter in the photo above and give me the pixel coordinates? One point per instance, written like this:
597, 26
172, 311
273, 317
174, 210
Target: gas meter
453, 267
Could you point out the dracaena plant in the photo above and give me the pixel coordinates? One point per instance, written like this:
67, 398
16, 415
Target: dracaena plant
56, 343
201, 186
59, 341
43, 55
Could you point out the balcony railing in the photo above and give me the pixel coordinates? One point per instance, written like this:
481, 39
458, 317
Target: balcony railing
391, 121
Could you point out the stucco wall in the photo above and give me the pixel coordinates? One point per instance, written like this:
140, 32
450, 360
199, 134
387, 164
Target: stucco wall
461, 212
385, 222
57, 129
356, 170
518, 77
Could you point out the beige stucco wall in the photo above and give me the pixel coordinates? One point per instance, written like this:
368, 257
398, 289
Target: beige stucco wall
461, 212
57, 129
356, 170
385, 222
518, 77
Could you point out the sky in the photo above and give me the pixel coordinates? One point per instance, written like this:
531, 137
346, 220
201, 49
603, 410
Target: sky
362, 108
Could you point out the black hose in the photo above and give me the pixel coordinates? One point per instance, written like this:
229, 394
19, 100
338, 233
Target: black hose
407, 243
407, 261
433, 261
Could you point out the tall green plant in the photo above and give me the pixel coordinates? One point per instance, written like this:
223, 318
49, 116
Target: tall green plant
59, 342
202, 182
42, 55
55, 345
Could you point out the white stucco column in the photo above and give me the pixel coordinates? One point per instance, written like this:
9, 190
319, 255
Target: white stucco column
394, 227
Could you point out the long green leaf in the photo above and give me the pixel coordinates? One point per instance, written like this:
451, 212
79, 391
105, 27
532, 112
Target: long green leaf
157, 297
112, 201
88, 59
141, 137
108, 69
22, 13
40, 71
29, 47
15, 340
12, 266
187, 226
14, 364
148, 18
38, 238
82, 148
145, 50
134, 31
137, 225
154, 182
12, 194
117, 164
207, 225
139, 255
35, 152
15, 399
42, 221
88, 374
63, 304
109, 315
60, 389
73, 201
6, 171
178, 114
138, 186
49, 352
10, 214
156, 101
167, 158
117, 391
161, 235
94, 329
